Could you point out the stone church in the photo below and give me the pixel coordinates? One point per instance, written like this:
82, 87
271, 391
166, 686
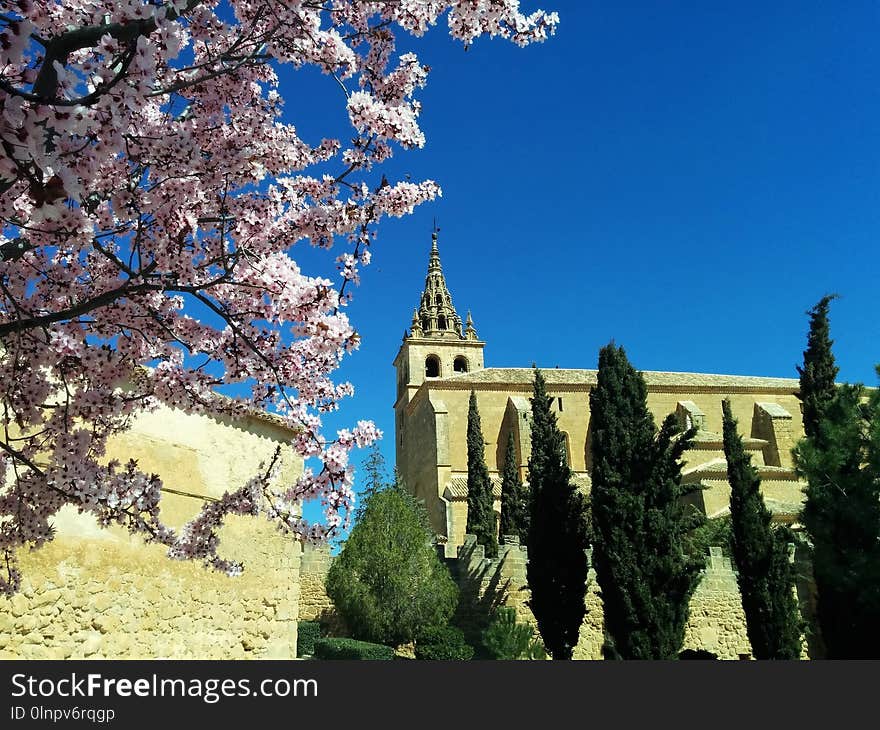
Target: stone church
440, 362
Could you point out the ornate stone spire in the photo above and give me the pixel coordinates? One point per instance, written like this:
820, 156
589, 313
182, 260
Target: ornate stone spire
469, 332
436, 316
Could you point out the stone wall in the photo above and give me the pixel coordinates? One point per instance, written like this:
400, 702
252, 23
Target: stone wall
486, 584
314, 603
717, 622
592, 632
118, 598
102, 593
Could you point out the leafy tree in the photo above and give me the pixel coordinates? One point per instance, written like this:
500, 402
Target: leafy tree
151, 199
514, 497
375, 472
819, 370
764, 573
506, 639
841, 515
480, 500
557, 538
640, 526
717, 531
388, 583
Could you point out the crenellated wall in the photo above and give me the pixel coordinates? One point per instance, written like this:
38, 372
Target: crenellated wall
716, 623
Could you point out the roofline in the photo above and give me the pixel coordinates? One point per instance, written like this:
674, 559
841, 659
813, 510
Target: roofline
467, 381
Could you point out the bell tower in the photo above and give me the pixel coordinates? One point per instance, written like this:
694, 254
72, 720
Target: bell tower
437, 345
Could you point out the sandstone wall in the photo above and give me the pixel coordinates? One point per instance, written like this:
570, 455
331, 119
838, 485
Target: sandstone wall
314, 603
102, 593
119, 599
717, 622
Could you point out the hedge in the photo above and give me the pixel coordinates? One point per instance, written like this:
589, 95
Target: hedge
443, 642
333, 648
307, 633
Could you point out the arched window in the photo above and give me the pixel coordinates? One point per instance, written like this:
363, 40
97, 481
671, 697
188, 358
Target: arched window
438, 300
460, 365
432, 366
441, 322
566, 443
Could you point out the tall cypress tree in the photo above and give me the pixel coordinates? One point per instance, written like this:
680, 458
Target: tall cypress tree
765, 576
819, 370
841, 514
481, 513
514, 497
639, 522
557, 537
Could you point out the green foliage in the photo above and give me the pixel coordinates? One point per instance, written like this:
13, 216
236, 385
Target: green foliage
819, 370
375, 472
764, 573
443, 642
557, 538
307, 633
335, 648
841, 514
388, 583
640, 525
514, 497
717, 532
506, 639
480, 501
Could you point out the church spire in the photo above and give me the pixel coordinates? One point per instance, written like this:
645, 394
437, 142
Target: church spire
436, 316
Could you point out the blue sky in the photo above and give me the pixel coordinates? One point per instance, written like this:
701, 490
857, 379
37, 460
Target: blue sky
654, 171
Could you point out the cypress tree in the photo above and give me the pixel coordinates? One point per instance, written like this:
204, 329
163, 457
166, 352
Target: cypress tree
841, 515
640, 526
480, 501
514, 497
557, 537
819, 370
765, 576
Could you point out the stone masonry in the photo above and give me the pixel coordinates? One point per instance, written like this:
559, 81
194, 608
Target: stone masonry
716, 624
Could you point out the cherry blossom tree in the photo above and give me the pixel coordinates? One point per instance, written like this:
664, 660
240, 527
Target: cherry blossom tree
151, 199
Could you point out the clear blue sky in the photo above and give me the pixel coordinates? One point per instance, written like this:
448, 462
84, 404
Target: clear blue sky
687, 180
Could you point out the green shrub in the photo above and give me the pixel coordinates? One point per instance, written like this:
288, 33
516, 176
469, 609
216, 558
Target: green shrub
307, 633
333, 648
443, 642
506, 639
388, 581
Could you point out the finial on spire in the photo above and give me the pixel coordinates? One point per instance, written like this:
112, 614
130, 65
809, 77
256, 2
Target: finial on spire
416, 326
469, 332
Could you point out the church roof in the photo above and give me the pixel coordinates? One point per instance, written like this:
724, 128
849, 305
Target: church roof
782, 511
581, 378
709, 439
456, 487
717, 469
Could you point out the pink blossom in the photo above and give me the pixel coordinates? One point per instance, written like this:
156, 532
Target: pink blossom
147, 173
